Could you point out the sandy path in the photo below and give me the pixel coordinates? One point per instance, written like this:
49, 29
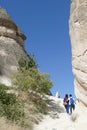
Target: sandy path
63, 122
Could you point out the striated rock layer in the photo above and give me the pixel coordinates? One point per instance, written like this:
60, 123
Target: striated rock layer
78, 34
11, 46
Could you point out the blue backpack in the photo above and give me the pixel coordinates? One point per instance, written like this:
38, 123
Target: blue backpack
71, 101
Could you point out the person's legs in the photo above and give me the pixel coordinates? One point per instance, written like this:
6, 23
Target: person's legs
67, 108
73, 106
70, 109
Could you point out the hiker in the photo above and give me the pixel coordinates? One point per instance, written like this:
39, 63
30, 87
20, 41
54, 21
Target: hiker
66, 103
71, 104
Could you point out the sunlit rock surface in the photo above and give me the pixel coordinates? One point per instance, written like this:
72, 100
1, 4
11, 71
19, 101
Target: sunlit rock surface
78, 35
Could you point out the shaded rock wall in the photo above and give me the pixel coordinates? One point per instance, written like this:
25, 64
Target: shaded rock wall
78, 35
10, 52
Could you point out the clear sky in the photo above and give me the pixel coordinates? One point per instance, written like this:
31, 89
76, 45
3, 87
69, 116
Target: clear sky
45, 23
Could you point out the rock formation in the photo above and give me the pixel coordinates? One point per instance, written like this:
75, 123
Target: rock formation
78, 34
11, 46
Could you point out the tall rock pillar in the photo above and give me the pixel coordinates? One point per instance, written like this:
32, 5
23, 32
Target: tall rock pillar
78, 35
11, 46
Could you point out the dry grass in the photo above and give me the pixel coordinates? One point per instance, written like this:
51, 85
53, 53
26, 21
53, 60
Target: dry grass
5, 125
74, 117
32, 115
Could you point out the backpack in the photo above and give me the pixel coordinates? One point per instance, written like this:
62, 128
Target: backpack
71, 101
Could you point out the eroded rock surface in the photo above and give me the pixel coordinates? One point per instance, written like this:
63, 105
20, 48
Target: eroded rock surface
78, 34
11, 46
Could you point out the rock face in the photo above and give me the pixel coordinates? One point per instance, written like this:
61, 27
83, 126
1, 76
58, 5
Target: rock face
78, 34
11, 46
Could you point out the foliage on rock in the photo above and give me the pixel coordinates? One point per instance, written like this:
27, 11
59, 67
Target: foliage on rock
10, 107
29, 77
27, 62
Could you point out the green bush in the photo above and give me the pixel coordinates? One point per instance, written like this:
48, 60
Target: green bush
10, 107
29, 76
4, 87
27, 62
32, 79
13, 112
7, 98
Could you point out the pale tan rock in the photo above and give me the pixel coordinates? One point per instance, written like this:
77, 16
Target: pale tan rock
78, 35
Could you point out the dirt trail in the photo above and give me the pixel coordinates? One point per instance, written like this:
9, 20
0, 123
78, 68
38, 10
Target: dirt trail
57, 119
60, 120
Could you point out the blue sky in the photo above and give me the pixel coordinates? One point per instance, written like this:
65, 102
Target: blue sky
45, 23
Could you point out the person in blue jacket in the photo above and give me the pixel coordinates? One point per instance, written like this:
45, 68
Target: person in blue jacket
71, 104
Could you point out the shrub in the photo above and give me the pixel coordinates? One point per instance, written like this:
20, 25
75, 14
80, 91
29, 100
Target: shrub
38, 102
10, 107
7, 98
41, 107
74, 117
29, 78
27, 62
32, 79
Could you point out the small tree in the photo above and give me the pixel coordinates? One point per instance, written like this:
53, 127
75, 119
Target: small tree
29, 77
33, 79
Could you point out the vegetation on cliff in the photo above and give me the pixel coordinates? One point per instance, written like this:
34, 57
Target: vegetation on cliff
23, 102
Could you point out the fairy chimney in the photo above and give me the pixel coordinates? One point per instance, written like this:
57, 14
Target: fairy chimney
78, 35
11, 46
